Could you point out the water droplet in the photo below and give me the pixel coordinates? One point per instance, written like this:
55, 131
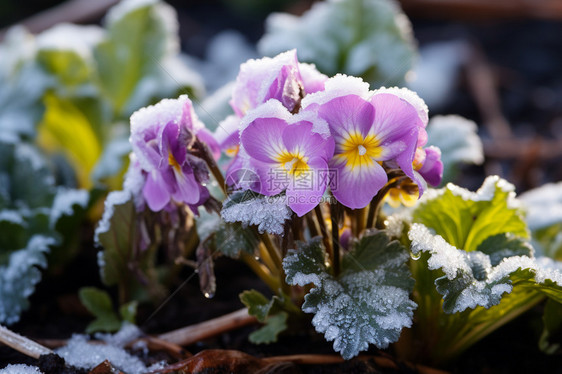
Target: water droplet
209, 295
415, 256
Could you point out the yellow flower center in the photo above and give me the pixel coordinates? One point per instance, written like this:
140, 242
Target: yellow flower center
172, 162
359, 151
293, 162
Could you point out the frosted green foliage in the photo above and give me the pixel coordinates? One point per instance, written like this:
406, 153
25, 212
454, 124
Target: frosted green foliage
367, 38
543, 205
465, 219
458, 140
368, 303
31, 207
267, 213
22, 84
266, 311
231, 238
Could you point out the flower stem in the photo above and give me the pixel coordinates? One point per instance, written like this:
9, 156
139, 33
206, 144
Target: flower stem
261, 271
323, 230
207, 156
375, 204
335, 214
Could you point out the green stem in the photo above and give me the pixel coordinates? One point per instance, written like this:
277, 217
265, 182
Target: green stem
375, 204
323, 230
334, 215
207, 156
261, 271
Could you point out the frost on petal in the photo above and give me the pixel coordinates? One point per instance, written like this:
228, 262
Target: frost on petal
411, 97
367, 304
337, 86
267, 213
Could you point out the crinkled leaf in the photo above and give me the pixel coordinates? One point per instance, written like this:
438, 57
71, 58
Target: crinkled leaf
458, 140
19, 275
274, 325
231, 238
367, 303
116, 233
367, 38
99, 304
502, 246
465, 219
552, 323
267, 213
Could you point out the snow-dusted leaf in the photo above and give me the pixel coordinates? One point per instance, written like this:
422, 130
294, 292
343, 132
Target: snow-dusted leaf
368, 303
465, 219
458, 141
116, 233
368, 38
19, 275
267, 213
471, 279
266, 311
231, 238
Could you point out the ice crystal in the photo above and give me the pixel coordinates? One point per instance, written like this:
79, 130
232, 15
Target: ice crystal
112, 199
268, 213
543, 205
71, 37
64, 202
20, 369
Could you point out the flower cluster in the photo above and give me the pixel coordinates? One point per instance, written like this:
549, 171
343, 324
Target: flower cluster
301, 133
167, 155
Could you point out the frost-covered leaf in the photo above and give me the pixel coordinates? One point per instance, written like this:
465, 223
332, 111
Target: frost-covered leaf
267, 213
116, 233
231, 238
367, 303
99, 304
367, 38
458, 141
465, 219
19, 275
471, 279
502, 246
266, 311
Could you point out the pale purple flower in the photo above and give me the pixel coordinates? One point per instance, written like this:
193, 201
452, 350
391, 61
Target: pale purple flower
366, 133
162, 136
289, 154
428, 164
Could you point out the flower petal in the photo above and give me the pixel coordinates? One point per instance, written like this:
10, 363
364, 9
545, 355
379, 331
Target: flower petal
356, 188
394, 119
347, 115
299, 138
155, 192
432, 168
262, 139
306, 189
186, 187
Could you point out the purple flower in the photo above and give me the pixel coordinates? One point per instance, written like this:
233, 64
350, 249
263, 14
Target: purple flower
366, 133
162, 136
282, 78
288, 153
428, 164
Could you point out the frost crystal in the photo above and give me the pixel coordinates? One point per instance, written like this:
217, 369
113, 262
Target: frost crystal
470, 279
268, 213
368, 304
64, 202
112, 199
20, 369
71, 37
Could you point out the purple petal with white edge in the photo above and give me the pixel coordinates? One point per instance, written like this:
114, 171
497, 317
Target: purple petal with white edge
262, 139
356, 188
257, 79
406, 158
298, 138
432, 168
186, 187
394, 118
412, 98
271, 178
312, 79
155, 192
337, 86
146, 124
306, 190
189, 118
347, 115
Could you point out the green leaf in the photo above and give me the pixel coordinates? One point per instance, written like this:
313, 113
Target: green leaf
128, 311
502, 246
552, 322
66, 129
231, 238
117, 233
458, 141
274, 325
267, 311
99, 304
367, 303
367, 38
138, 38
465, 219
